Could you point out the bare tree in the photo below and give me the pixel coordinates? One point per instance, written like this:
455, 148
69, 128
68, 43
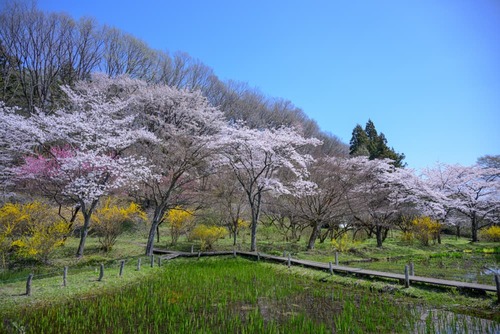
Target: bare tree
84, 51
38, 44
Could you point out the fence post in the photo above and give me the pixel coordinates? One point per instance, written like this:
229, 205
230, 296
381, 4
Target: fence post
497, 282
234, 252
192, 249
284, 253
28, 285
65, 275
152, 261
101, 272
412, 269
407, 277
122, 264
199, 254
289, 260
159, 261
258, 256
139, 264
336, 258
330, 266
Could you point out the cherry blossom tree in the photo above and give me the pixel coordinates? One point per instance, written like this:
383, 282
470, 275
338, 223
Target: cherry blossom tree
260, 158
80, 150
379, 194
187, 127
472, 191
327, 207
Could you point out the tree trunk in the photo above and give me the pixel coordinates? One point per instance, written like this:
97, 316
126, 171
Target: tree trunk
314, 235
458, 231
83, 235
474, 227
379, 235
385, 233
152, 231
328, 233
85, 229
253, 238
255, 208
158, 233
370, 232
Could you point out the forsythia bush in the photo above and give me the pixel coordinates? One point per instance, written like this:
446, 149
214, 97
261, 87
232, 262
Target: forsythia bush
491, 234
343, 243
109, 221
408, 237
180, 221
208, 235
243, 223
31, 231
426, 229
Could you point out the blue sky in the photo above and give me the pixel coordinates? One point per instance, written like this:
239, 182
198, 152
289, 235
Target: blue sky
426, 72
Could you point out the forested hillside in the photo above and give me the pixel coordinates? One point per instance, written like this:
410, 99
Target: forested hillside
41, 51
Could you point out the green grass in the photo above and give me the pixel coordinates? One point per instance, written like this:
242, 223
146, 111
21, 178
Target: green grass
215, 295
264, 308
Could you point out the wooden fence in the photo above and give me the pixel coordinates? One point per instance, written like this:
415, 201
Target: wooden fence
407, 278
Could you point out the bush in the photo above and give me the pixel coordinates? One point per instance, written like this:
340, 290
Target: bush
407, 237
208, 235
30, 231
343, 243
110, 220
180, 221
491, 234
426, 229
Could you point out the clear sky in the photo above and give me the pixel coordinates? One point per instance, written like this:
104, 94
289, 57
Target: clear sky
427, 72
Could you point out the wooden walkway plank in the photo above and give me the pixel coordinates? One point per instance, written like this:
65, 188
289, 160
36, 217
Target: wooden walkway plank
342, 269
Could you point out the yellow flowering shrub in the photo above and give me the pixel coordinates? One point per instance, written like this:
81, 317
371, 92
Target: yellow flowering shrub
491, 234
407, 236
180, 221
31, 230
426, 229
109, 221
208, 235
243, 223
343, 243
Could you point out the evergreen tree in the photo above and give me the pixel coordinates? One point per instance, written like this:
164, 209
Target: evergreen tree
370, 131
359, 142
369, 143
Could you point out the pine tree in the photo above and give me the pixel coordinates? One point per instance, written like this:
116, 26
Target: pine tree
359, 142
369, 143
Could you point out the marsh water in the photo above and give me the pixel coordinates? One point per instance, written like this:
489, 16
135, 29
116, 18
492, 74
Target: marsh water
465, 267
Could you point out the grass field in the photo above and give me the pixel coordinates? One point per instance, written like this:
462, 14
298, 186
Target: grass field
238, 295
226, 295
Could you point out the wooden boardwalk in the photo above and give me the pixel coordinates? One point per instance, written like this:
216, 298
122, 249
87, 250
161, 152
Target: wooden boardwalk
338, 269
